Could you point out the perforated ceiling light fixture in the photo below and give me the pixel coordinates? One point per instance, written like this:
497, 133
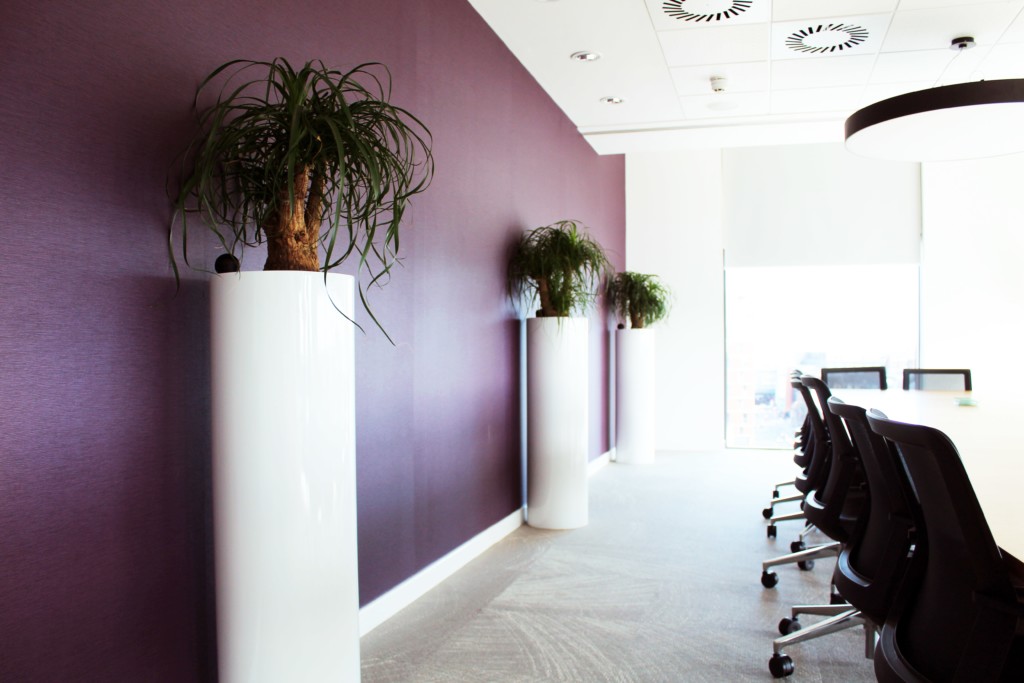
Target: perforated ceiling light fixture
826, 38
947, 123
705, 10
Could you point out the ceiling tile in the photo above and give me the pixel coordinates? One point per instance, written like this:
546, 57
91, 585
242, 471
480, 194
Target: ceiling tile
934, 66
740, 77
791, 10
932, 4
1014, 34
1004, 61
883, 91
725, 105
670, 15
899, 67
965, 65
815, 100
819, 73
715, 45
931, 29
857, 35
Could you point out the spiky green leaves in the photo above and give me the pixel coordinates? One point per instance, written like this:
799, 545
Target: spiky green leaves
639, 298
559, 264
361, 158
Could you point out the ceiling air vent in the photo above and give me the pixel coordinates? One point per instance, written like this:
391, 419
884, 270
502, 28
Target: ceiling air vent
705, 10
826, 38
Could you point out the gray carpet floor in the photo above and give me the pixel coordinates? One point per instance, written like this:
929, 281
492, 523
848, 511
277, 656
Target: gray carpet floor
663, 585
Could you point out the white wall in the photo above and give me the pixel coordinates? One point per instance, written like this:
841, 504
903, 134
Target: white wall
674, 230
972, 278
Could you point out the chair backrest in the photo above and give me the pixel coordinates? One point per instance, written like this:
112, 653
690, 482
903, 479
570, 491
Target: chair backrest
826, 507
936, 379
804, 442
945, 624
855, 378
816, 452
872, 565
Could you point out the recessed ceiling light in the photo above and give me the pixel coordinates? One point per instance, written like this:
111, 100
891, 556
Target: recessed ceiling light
585, 56
611, 99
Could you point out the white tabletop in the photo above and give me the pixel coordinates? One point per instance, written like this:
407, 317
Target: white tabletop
984, 434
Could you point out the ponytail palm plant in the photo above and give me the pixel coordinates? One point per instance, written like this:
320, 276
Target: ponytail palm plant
559, 264
305, 160
639, 298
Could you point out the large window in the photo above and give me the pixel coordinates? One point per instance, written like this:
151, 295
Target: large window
780, 319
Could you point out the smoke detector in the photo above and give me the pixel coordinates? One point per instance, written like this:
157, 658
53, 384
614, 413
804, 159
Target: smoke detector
718, 83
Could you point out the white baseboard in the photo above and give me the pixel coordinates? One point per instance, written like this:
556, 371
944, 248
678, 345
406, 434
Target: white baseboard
404, 594
600, 461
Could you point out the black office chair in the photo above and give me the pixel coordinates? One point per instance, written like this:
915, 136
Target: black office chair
854, 378
803, 450
874, 560
931, 379
815, 462
959, 616
835, 500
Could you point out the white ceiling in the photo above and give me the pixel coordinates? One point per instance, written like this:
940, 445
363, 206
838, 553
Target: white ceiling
794, 69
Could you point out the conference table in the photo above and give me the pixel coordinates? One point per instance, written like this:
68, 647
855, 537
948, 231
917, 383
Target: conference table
984, 428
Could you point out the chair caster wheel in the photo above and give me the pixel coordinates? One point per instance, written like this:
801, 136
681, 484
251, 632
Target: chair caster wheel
771, 531
797, 546
767, 513
806, 565
787, 626
769, 579
775, 493
780, 665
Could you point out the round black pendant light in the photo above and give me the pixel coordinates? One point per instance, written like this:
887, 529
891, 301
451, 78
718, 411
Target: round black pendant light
946, 123
962, 121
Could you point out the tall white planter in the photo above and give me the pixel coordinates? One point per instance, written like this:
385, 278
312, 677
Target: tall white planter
284, 477
634, 396
557, 422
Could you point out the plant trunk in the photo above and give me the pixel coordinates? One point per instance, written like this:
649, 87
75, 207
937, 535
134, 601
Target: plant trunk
547, 309
636, 321
293, 232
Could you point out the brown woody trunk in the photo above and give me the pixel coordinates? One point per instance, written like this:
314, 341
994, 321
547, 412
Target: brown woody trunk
636, 321
547, 309
293, 232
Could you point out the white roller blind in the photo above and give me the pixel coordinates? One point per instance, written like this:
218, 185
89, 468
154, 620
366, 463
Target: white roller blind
818, 205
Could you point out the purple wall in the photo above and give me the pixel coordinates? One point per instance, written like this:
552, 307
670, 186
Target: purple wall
105, 542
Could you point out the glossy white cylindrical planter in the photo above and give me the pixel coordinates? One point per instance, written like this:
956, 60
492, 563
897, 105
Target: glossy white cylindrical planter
634, 396
284, 477
557, 422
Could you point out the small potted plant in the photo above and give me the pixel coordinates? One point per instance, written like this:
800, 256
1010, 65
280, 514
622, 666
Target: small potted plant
317, 165
639, 300
561, 267
558, 265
